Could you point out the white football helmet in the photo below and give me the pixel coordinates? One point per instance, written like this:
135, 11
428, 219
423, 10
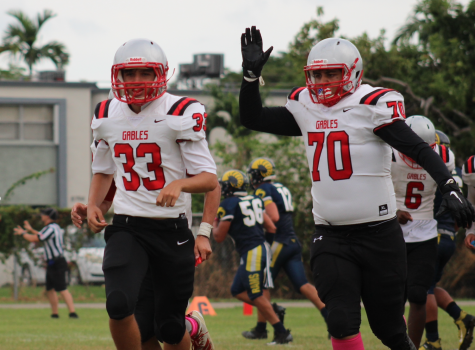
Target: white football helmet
139, 53
333, 53
424, 128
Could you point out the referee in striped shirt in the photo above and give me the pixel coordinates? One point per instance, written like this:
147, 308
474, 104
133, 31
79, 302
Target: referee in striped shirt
52, 237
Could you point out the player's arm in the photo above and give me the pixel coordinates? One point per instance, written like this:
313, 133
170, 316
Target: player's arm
202, 245
275, 120
100, 185
272, 211
269, 224
220, 230
79, 210
401, 137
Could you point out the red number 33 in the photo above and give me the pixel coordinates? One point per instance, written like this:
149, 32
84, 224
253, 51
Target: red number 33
199, 121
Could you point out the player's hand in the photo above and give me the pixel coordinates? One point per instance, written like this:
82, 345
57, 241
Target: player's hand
169, 195
455, 203
27, 226
468, 241
18, 230
95, 219
403, 217
253, 58
78, 214
202, 248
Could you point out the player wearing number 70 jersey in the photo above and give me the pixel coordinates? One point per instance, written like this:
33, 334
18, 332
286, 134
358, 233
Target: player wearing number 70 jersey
358, 251
149, 141
415, 194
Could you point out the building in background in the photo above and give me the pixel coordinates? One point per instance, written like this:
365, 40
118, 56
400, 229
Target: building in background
46, 125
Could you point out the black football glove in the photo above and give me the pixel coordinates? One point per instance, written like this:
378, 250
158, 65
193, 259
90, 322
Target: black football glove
253, 58
454, 202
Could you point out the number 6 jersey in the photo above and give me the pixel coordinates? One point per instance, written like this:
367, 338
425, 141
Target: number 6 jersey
415, 193
147, 151
349, 164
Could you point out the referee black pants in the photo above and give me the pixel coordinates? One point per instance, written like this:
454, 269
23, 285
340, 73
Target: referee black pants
164, 248
362, 262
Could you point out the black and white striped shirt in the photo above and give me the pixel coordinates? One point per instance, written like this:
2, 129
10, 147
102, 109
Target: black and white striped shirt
52, 236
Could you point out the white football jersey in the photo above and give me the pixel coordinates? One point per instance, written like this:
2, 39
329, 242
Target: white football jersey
468, 172
147, 151
415, 189
415, 193
349, 165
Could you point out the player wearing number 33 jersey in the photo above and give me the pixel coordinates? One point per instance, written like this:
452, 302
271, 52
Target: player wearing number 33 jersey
357, 251
153, 145
147, 151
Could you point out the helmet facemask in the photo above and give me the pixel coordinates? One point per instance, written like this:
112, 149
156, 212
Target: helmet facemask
330, 93
128, 92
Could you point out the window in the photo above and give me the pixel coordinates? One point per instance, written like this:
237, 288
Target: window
27, 122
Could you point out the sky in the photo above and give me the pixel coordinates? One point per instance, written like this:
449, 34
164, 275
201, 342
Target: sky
92, 30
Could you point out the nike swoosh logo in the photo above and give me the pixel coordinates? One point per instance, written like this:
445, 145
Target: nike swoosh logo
453, 193
158, 121
346, 110
180, 243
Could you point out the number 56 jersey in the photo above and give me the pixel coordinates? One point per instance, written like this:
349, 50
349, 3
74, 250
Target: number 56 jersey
247, 217
147, 151
349, 164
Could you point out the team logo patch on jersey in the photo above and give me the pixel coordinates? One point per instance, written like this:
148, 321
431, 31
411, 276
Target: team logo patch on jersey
383, 210
221, 212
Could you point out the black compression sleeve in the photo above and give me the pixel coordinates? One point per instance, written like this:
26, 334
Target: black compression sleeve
401, 137
273, 120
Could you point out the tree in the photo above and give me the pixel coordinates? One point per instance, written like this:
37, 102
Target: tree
13, 73
20, 40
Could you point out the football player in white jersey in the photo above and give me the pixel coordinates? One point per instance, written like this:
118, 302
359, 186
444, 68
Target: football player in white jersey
468, 176
415, 194
358, 250
148, 140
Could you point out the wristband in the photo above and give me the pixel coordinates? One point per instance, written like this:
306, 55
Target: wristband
261, 80
205, 229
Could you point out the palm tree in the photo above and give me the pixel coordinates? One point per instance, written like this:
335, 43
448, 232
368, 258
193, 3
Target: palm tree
20, 39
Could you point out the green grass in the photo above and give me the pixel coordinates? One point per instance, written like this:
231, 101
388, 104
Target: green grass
33, 329
84, 294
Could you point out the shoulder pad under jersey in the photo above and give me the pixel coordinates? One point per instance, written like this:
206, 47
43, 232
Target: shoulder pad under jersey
295, 93
444, 153
373, 97
102, 109
469, 166
181, 105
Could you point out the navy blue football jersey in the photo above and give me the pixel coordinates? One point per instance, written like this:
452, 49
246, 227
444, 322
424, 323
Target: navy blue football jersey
247, 216
281, 196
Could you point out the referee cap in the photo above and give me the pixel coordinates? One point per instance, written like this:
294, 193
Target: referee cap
52, 213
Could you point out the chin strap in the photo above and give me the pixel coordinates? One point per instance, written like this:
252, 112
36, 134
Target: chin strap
261, 80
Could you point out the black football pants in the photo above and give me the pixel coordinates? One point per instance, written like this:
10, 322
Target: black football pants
362, 262
164, 248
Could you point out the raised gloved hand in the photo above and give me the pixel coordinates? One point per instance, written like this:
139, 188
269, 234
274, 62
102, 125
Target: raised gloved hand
455, 203
253, 58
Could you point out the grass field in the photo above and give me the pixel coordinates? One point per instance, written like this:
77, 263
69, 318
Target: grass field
33, 329
80, 294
